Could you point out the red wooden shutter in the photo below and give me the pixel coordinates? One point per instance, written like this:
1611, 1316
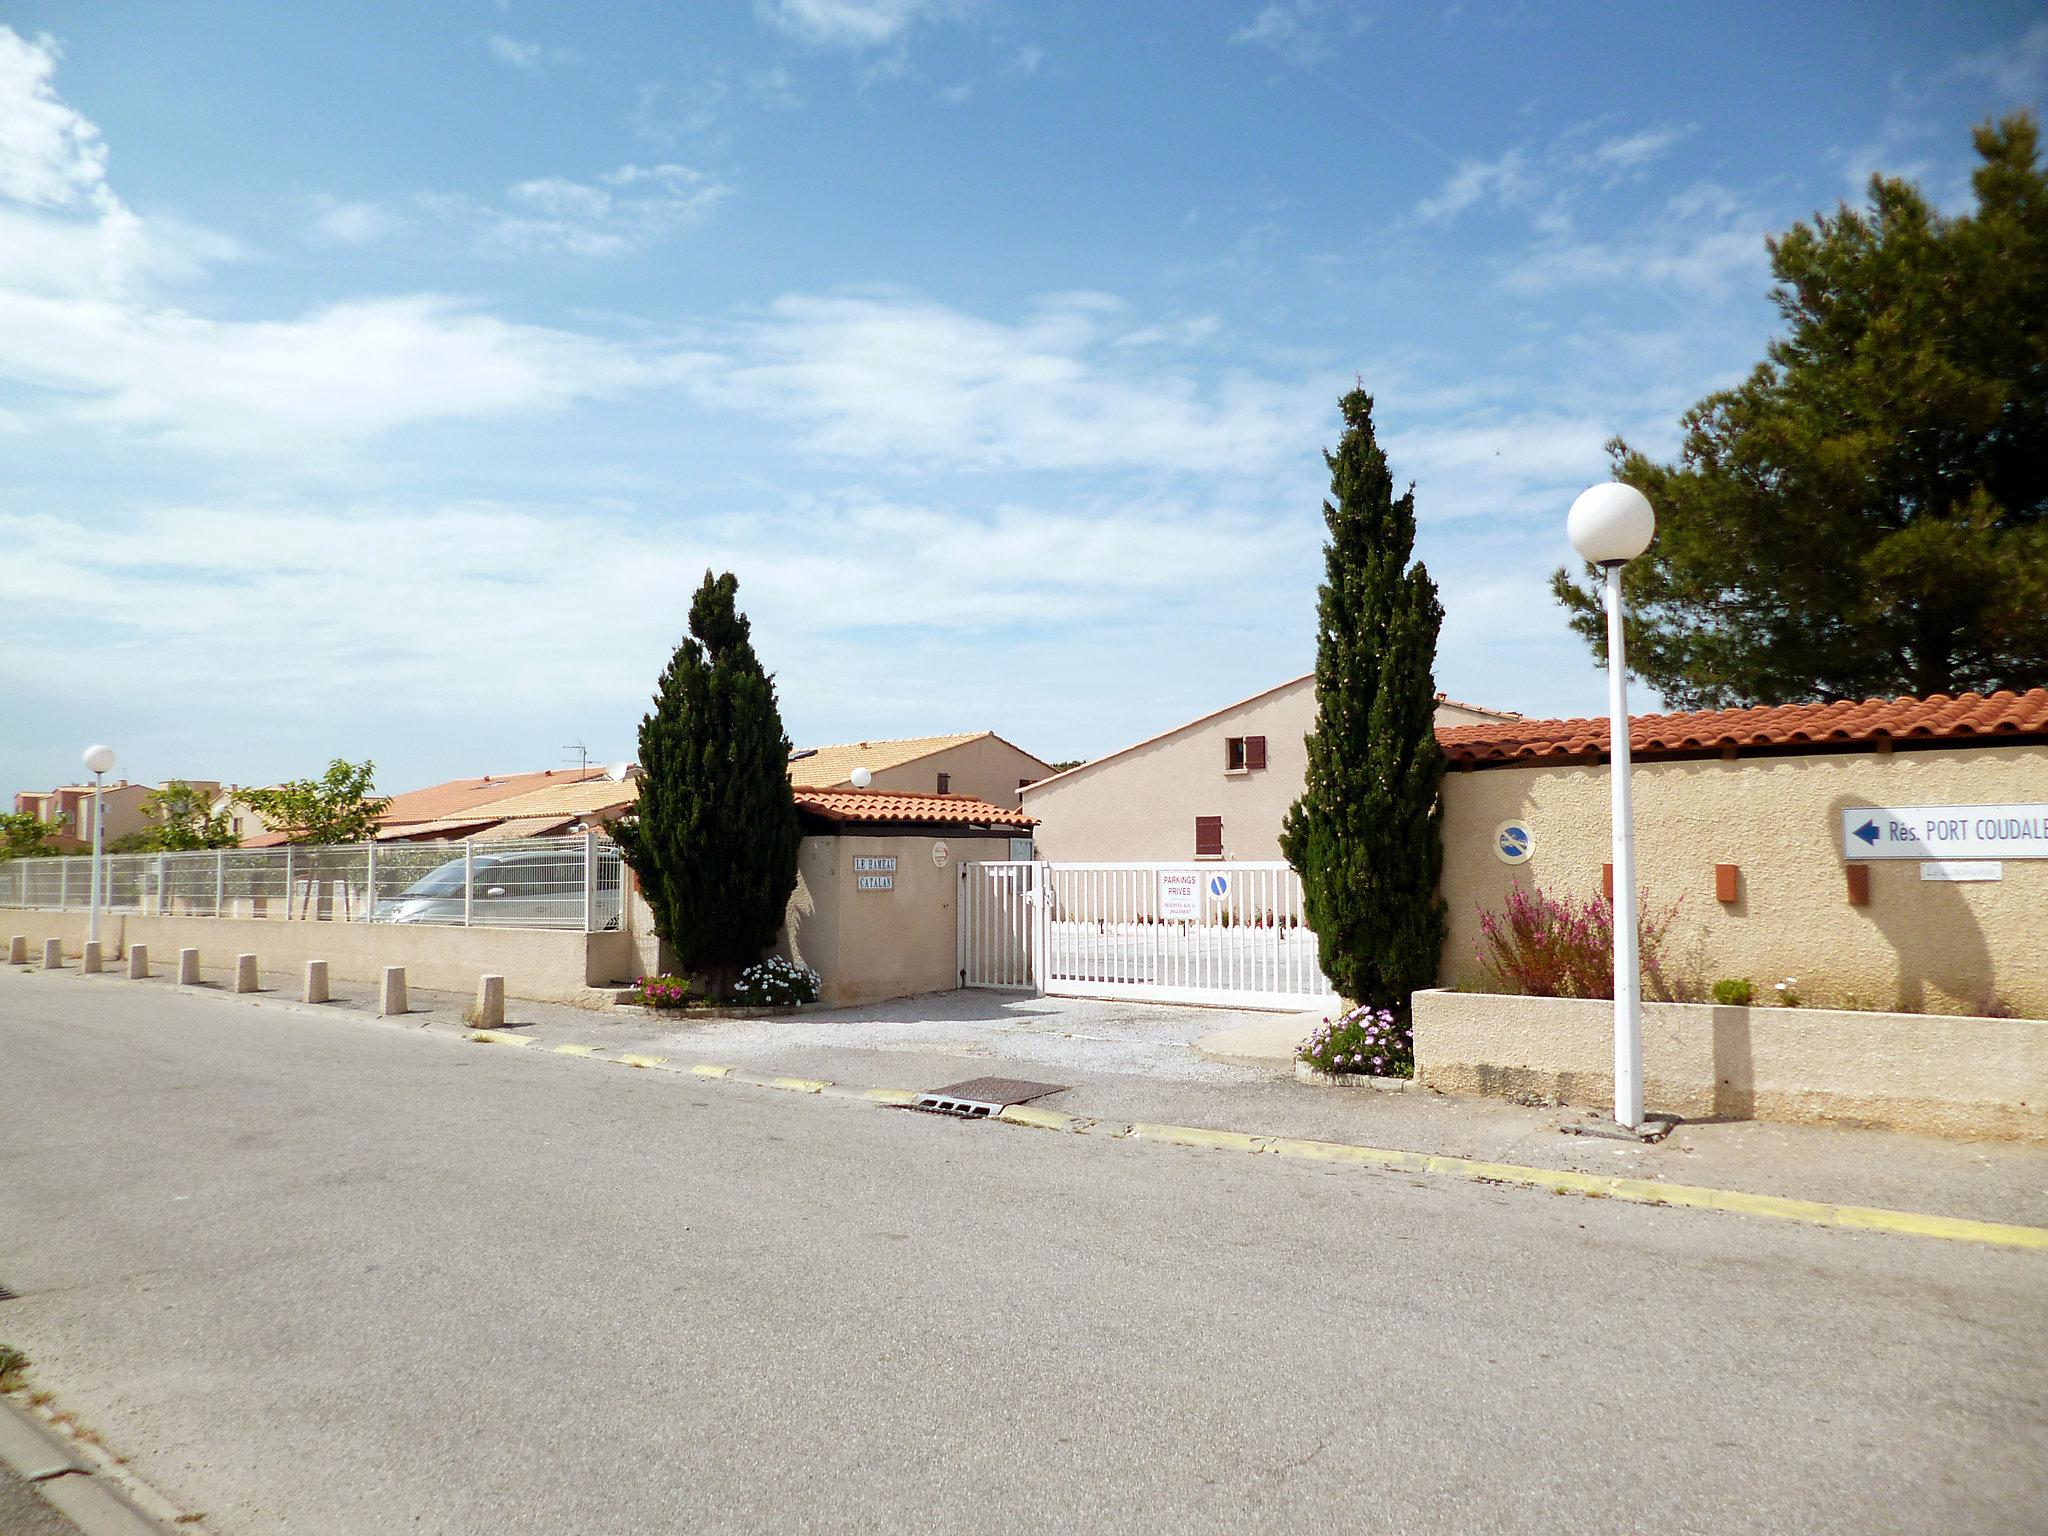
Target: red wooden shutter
1255, 752
1208, 836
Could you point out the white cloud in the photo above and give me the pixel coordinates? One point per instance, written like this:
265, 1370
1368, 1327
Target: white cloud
1631, 152
1506, 180
888, 376
50, 156
1300, 31
855, 24
337, 222
1028, 58
509, 50
622, 211
2018, 73
957, 95
308, 384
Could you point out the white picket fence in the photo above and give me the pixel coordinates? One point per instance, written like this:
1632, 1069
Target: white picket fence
1225, 933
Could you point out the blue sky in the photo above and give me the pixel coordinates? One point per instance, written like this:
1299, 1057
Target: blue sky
378, 380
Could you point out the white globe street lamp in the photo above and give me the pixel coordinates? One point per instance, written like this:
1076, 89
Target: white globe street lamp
1609, 526
99, 760
860, 778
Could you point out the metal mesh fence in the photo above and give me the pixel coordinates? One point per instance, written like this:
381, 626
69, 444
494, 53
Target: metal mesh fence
539, 882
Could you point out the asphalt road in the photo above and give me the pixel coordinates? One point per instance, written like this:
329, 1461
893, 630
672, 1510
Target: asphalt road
313, 1273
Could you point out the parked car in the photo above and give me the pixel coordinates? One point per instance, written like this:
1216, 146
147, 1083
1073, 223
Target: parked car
524, 888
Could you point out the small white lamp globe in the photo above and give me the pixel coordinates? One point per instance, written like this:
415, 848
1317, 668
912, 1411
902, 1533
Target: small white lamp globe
861, 778
99, 759
1610, 524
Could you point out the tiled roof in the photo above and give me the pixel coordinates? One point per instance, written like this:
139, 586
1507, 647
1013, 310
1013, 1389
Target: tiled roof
826, 766
585, 797
886, 807
439, 802
1972, 718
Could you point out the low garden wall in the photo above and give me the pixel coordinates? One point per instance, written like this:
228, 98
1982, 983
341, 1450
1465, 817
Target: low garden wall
541, 965
1943, 1074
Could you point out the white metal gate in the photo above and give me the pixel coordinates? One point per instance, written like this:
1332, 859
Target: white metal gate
1229, 933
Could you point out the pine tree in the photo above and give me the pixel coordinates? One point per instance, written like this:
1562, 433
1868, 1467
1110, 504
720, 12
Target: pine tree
714, 837
1364, 836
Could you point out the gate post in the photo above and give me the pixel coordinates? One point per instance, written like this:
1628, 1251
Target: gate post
1041, 922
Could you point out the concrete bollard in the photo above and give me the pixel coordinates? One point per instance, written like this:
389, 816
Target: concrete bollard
89, 959
17, 950
391, 999
316, 981
188, 967
490, 1002
245, 973
53, 954
138, 962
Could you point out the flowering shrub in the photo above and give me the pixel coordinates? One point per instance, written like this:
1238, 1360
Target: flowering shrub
1734, 991
776, 983
662, 992
1543, 945
1788, 992
1365, 1040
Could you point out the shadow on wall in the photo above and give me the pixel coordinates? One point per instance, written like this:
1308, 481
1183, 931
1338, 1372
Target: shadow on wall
1929, 926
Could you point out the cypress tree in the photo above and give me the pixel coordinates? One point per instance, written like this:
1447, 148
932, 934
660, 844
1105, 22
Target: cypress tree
1365, 834
714, 837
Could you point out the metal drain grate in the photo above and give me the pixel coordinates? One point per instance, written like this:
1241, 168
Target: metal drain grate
980, 1097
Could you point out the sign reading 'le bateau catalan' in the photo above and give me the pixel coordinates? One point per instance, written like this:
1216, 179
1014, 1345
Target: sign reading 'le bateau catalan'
1945, 832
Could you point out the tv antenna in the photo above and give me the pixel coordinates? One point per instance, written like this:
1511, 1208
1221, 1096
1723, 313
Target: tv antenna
582, 759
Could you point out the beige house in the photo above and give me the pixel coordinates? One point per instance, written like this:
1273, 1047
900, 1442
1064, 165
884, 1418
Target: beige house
978, 764
1216, 787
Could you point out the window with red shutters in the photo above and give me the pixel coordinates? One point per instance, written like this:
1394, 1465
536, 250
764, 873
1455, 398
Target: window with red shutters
1233, 754
1208, 837
1255, 752
945, 783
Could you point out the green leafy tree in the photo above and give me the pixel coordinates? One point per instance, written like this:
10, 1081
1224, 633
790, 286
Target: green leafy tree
181, 818
27, 836
1364, 836
1867, 514
341, 806
714, 836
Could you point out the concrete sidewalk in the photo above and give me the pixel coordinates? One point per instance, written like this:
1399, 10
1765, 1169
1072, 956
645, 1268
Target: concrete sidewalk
1138, 1062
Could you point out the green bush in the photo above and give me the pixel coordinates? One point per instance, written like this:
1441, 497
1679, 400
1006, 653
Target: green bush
776, 983
1734, 992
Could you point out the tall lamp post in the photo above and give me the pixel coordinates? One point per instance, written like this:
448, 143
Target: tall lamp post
1609, 526
100, 760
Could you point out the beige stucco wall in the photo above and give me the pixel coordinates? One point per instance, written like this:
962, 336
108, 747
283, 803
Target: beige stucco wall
1142, 804
543, 965
870, 945
988, 768
1918, 1072
864, 945
1918, 945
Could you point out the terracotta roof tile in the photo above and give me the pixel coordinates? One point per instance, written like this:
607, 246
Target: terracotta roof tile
440, 802
892, 807
1969, 718
826, 766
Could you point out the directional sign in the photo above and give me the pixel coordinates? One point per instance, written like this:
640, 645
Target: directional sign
1945, 832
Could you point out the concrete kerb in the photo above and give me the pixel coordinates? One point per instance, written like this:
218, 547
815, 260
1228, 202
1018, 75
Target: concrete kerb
53, 954
1554, 1181
188, 967
138, 962
78, 1479
17, 949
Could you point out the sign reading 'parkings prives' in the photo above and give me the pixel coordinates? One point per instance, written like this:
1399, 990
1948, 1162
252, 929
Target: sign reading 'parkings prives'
1945, 832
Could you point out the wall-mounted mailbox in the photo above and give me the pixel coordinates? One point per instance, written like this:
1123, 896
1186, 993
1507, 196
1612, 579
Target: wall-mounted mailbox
1607, 881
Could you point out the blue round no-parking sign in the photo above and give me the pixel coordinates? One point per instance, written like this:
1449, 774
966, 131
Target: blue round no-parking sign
1219, 885
1513, 842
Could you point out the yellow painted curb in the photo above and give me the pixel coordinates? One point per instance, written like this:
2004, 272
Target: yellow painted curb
1195, 1136
1565, 1181
701, 1070
639, 1061
1040, 1119
497, 1037
575, 1050
896, 1096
